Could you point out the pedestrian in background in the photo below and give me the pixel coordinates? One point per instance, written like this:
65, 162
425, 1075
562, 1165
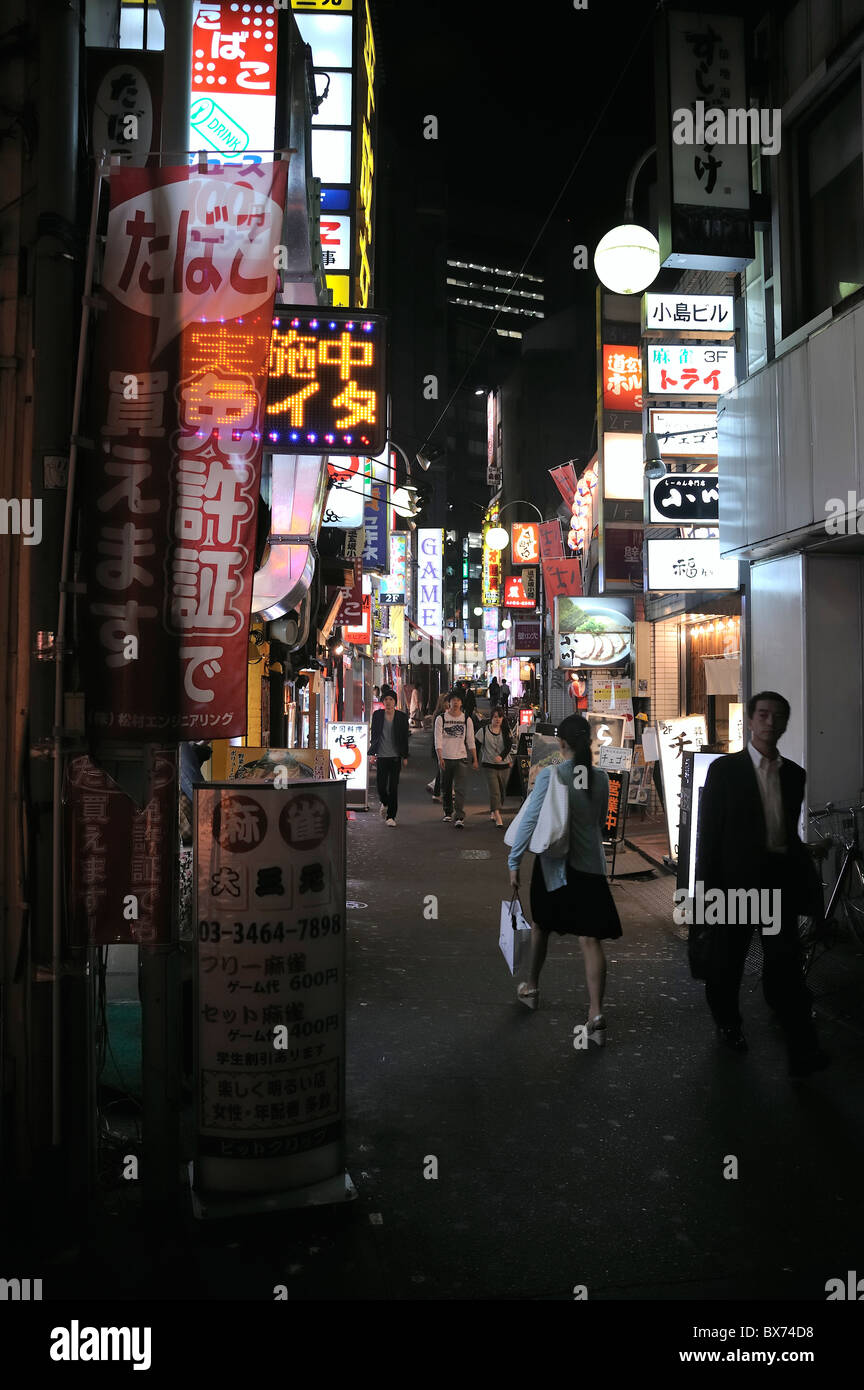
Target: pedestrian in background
495, 743
571, 895
504, 699
454, 744
494, 695
434, 787
388, 745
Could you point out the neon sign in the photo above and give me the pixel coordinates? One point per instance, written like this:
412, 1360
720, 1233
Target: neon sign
327, 387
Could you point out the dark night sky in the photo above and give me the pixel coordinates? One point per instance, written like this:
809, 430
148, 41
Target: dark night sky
516, 99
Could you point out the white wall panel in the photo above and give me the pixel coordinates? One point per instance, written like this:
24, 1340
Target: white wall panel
834, 663
777, 640
732, 468
832, 396
796, 447
763, 468
792, 436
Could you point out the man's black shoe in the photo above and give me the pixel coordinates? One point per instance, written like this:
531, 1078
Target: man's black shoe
733, 1038
805, 1063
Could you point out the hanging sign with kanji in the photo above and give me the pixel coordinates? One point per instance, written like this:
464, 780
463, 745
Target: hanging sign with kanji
682, 369
270, 984
171, 501
328, 386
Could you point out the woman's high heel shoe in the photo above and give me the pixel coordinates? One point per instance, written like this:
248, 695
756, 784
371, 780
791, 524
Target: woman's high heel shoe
596, 1029
527, 996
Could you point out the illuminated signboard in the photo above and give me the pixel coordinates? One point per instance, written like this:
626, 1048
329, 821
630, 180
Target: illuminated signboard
430, 587
622, 377
233, 105
697, 564
623, 467
327, 388
394, 586
685, 499
525, 541
685, 431
491, 589
515, 595
682, 369
701, 314
344, 140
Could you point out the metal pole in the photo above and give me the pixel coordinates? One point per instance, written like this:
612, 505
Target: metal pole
60, 641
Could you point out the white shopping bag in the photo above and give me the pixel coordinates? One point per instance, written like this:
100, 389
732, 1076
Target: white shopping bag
514, 943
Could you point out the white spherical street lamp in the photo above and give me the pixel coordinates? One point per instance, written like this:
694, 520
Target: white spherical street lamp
497, 538
627, 259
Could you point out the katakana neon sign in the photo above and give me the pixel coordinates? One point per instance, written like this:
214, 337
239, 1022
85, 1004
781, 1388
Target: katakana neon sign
327, 385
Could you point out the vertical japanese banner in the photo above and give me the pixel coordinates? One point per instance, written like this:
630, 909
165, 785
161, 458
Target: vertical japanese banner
121, 861
170, 509
270, 985
348, 745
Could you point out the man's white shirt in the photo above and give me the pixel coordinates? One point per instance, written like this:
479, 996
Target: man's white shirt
768, 777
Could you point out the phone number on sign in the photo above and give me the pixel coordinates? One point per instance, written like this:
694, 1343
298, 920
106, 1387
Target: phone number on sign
235, 933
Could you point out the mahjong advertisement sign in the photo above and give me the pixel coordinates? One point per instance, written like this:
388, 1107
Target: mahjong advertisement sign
270, 985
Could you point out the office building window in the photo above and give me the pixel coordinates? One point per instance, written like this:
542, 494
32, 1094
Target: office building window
832, 203
140, 30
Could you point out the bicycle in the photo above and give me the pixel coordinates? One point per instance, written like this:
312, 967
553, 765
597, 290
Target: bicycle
847, 893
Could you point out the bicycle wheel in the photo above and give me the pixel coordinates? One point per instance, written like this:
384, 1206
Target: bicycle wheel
853, 902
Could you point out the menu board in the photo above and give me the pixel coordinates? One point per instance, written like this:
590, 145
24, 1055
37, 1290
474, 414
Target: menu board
270, 985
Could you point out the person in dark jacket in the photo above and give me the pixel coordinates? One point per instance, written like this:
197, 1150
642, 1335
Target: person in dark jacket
748, 839
494, 746
493, 692
388, 745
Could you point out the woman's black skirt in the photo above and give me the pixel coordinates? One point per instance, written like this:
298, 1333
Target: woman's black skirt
584, 906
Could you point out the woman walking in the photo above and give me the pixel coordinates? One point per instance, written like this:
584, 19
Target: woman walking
571, 895
494, 745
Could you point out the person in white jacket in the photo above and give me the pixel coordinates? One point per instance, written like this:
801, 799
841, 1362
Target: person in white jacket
454, 744
571, 895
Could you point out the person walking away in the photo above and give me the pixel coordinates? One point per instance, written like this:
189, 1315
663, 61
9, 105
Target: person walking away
454, 744
388, 745
571, 895
434, 787
494, 695
495, 743
748, 839
504, 698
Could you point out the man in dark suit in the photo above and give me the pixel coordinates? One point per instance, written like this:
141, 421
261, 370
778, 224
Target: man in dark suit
388, 744
748, 838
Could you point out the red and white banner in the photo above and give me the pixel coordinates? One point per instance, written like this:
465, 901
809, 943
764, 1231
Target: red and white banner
551, 546
564, 479
179, 394
562, 579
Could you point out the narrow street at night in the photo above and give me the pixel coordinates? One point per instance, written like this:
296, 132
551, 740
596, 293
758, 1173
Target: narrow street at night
556, 1167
